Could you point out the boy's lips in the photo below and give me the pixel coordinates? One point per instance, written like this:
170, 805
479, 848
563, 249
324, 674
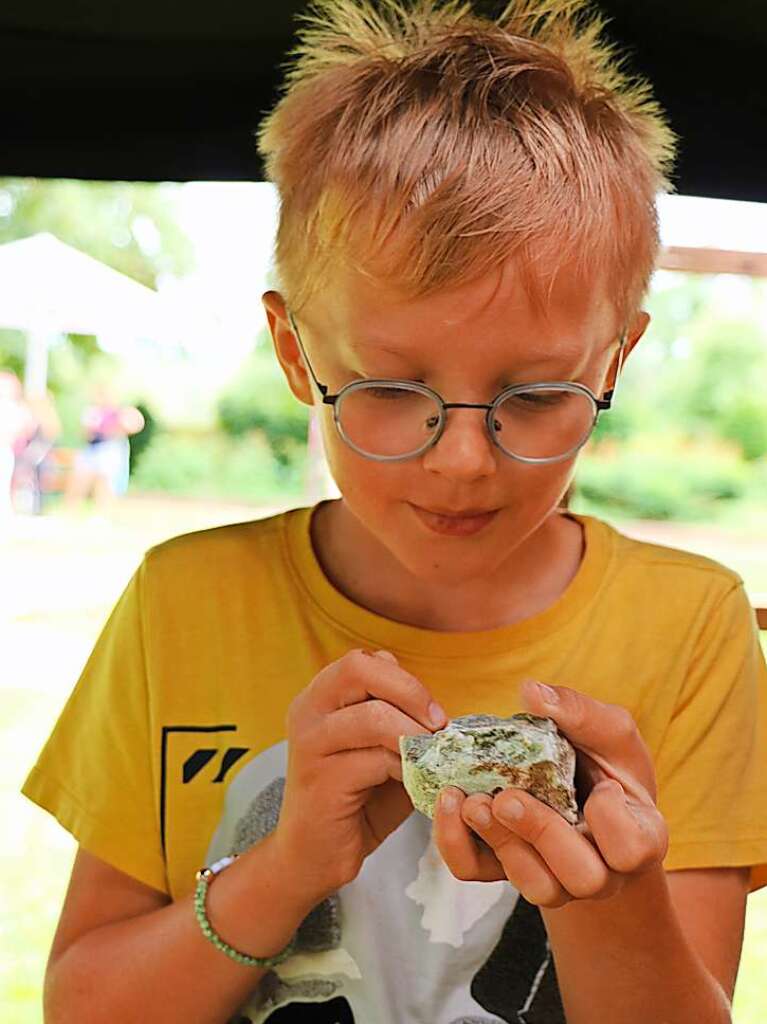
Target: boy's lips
454, 525
463, 513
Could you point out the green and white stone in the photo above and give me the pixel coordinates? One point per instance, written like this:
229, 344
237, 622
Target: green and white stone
486, 754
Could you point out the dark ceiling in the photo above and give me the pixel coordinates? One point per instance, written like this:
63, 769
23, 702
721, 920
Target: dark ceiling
173, 91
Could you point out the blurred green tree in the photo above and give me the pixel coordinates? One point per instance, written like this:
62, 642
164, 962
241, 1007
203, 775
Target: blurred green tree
259, 399
719, 390
140, 442
131, 226
700, 370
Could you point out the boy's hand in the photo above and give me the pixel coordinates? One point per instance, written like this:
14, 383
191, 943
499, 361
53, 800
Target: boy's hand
343, 790
548, 860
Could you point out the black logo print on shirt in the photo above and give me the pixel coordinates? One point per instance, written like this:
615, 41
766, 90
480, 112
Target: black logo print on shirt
337, 1011
194, 764
197, 761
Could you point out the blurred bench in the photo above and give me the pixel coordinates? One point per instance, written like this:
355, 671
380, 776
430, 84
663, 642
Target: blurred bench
759, 602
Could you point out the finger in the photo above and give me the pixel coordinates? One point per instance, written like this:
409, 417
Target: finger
467, 859
606, 732
371, 780
521, 863
358, 676
374, 723
355, 771
631, 838
572, 859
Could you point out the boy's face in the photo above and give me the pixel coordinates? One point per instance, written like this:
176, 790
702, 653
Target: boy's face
467, 343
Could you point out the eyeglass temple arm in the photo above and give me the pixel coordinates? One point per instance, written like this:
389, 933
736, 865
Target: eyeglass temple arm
606, 403
322, 388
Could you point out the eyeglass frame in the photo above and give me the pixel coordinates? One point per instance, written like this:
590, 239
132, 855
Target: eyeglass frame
601, 405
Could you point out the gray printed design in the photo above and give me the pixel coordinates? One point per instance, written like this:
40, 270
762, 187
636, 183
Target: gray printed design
321, 930
405, 939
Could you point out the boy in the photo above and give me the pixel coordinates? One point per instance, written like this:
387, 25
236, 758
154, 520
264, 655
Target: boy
467, 232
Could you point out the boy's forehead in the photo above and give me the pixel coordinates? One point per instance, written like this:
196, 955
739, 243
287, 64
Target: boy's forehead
369, 318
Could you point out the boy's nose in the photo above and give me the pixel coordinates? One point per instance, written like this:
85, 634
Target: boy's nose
465, 449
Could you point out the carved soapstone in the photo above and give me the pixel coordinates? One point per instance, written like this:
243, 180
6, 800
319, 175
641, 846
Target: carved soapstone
485, 754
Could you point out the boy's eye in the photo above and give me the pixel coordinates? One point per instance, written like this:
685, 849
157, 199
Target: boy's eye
537, 398
389, 392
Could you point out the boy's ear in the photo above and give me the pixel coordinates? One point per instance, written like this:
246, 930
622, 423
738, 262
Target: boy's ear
286, 347
636, 328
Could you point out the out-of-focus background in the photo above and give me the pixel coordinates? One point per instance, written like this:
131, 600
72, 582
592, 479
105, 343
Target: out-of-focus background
140, 398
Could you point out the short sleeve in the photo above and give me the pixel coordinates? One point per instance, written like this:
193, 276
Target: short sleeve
711, 767
94, 773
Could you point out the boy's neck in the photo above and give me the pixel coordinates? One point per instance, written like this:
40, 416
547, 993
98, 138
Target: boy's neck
551, 557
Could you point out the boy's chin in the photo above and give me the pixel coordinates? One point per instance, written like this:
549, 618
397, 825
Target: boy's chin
437, 563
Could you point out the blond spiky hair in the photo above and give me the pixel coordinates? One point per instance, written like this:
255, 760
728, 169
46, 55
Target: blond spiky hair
425, 145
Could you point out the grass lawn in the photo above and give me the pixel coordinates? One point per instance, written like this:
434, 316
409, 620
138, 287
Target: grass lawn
66, 572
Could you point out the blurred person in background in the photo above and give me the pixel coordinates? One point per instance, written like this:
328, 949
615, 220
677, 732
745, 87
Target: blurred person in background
102, 467
32, 452
17, 425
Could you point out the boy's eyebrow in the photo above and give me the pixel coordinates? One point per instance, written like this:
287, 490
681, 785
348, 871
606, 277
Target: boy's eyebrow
558, 358
366, 346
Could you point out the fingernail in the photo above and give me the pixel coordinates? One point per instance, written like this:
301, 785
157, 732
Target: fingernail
437, 714
481, 815
511, 809
386, 655
549, 696
448, 802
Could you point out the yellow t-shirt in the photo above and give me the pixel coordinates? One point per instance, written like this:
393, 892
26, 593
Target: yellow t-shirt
171, 752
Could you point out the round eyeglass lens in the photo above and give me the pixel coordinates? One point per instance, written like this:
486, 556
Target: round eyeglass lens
544, 423
387, 420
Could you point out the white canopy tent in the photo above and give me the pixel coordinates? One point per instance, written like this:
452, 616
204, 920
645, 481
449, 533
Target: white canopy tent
48, 287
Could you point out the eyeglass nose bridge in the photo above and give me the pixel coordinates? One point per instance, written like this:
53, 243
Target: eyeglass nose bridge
488, 407
469, 404
465, 405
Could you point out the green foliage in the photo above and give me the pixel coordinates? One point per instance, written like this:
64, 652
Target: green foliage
675, 301
130, 226
728, 360
260, 399
215, 466
746, 424
660, 477
13, 347
141, 441
626, 419
715, 386
697, 374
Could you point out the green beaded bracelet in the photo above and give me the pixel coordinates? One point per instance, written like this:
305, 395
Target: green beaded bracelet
204, 878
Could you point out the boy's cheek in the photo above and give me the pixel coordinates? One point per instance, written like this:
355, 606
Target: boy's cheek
365, 483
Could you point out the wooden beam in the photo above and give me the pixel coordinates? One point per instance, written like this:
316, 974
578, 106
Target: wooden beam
713, 261
760, 607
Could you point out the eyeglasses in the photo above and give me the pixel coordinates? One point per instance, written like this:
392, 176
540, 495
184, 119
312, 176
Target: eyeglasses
392, 420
